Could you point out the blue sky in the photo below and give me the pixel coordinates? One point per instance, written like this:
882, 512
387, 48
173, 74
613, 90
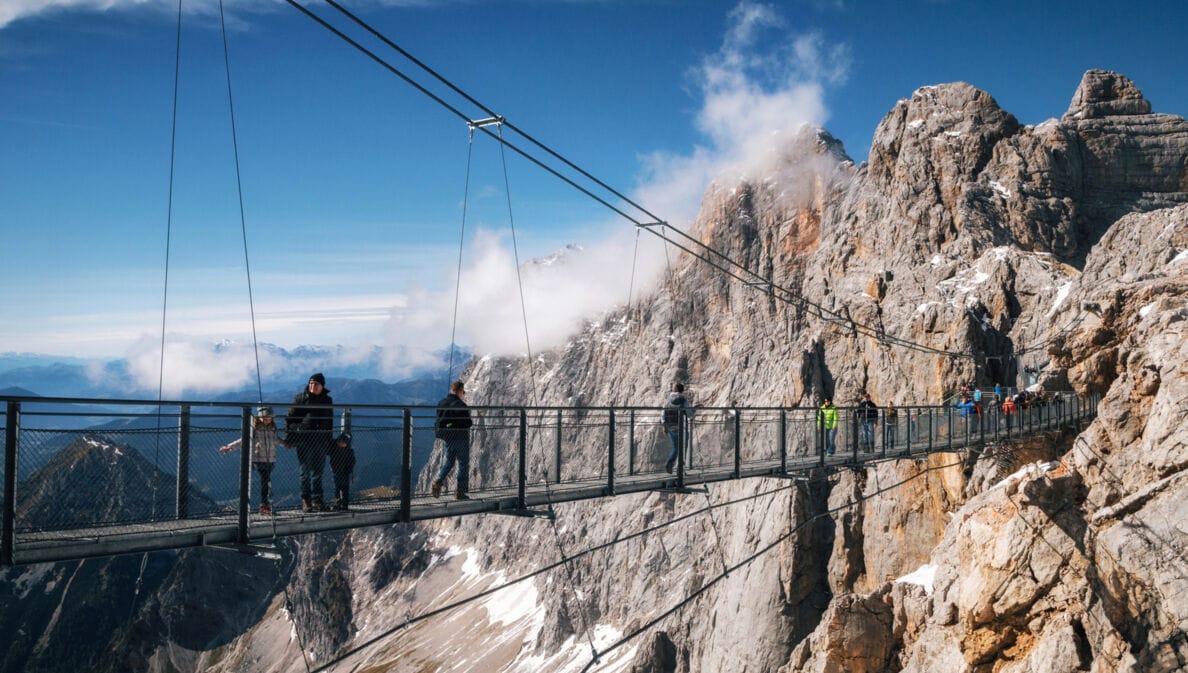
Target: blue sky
353, 181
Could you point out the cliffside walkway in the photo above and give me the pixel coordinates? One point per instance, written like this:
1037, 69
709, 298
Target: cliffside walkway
97, 477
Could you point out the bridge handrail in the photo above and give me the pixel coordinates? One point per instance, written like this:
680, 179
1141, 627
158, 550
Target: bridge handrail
722, 438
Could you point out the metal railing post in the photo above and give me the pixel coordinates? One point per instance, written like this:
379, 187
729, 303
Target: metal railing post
557, 452
680, 466
854, 430
12, 433
737, 443
522, 477
883, 432
931, 421
982, 427
631, 442
182, 509
406, 433
783, 441
610, 453
346, 420
949, 440
821, 433
245, 467
909, 431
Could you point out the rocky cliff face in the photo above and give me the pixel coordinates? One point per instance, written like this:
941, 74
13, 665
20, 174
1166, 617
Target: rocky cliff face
1059, 245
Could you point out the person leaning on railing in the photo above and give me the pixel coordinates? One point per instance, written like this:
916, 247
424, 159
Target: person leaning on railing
264, 442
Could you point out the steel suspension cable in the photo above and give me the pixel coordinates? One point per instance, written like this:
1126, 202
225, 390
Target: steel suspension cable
519, 277
165, 296
715, 258
168, 238
634, 259
409, 621
754, 556
568, 565
252, 307
461, 243
458, 90
242, 220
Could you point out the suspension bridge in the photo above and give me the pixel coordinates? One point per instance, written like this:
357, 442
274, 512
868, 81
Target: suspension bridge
166, 485
198, 498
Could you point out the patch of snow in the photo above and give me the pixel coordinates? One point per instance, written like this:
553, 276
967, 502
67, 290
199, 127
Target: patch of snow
953, 134
997, 186
1030, 471
470, 567
1180, 257
936, 260
916, 124
574, 654
923, 576
1061, 295
515, 603
30, 576
1146, 309
924, 307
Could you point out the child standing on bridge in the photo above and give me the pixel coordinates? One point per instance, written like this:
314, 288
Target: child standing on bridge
342, 462
264, 442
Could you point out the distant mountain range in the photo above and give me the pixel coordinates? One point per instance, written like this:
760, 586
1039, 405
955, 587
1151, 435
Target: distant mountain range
351, 377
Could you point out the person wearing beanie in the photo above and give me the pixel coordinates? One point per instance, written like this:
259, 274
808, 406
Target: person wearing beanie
264, 442
342, 463
309, 428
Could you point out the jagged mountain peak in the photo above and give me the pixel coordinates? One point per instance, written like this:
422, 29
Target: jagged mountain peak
96, 479
1103, 93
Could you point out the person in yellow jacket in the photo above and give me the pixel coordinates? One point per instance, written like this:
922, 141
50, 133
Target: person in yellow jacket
827, 421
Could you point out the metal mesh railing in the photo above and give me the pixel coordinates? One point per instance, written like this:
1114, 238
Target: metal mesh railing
85, 464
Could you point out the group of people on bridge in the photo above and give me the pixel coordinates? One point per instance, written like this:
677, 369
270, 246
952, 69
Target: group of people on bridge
866, 416
309, 429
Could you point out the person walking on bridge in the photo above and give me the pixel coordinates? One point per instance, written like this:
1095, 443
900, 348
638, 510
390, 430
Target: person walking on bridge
677, 411
827, 424
453, 429
309, 428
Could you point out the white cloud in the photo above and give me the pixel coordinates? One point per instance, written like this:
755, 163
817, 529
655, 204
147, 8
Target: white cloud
760, 88
13, 10
191, 366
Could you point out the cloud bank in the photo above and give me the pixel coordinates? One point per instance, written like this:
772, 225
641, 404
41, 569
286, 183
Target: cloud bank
763, 85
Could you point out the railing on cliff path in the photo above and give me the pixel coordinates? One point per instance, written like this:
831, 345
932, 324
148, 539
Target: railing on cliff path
97, 477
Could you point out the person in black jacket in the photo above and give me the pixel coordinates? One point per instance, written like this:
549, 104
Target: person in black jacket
868, 415
453, 429
342, 462
309, 428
